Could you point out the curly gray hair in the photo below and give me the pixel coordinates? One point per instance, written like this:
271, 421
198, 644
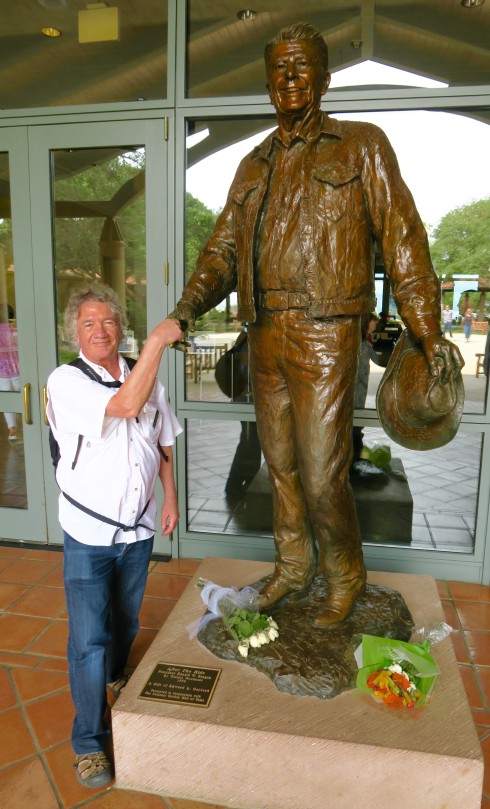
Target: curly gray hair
297, 32
100, 293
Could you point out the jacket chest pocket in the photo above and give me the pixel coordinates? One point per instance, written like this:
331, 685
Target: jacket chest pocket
241, 191
339, 191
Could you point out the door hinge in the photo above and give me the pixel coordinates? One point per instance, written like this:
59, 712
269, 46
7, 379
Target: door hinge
165, 272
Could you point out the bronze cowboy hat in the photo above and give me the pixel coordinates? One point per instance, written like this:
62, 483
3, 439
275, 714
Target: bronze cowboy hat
416, 409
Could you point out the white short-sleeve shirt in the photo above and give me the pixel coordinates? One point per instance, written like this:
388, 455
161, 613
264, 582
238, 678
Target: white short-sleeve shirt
118, 463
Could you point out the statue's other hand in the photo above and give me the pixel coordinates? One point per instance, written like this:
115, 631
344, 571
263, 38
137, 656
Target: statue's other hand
183, 311
444, 358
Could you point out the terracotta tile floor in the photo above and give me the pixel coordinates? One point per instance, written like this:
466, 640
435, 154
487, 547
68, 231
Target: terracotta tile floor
35, 705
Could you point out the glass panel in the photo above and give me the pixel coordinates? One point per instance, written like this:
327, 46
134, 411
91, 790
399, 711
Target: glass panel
425, 500
102, 55
214, 150
454, 205
13, 490
100, 233
225, 45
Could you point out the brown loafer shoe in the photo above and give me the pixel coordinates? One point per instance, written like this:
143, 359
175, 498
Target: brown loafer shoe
338, 607
93, 770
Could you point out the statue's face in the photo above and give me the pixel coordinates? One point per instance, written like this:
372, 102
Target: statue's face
296, 80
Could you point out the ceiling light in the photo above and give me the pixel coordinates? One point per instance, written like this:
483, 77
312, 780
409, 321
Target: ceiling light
472, 3
51, 32
246, 14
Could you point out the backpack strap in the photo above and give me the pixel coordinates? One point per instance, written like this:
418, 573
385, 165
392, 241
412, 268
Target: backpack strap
87, 369
119, 525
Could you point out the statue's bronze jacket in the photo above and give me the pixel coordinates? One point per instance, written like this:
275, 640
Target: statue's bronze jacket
355, 195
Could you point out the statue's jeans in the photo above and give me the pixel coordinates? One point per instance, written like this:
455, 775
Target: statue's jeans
303, 376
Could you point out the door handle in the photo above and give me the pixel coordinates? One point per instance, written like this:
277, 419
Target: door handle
45, 404
27, 403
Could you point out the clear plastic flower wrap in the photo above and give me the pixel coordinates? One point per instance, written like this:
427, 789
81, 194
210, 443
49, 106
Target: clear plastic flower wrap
239, 611
397, 673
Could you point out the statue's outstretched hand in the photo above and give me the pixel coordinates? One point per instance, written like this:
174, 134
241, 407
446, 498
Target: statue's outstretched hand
444, 358
183, 311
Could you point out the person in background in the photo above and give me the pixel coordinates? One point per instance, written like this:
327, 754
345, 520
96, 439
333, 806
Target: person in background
447, 321
115, 438
467, 322
9, 363
247, 459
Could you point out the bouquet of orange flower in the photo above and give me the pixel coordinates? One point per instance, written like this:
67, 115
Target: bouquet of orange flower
393, 686
396, 673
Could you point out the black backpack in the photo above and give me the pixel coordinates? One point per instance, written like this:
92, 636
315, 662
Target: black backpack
88, 371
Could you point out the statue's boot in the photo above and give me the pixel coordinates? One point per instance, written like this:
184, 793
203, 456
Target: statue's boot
276, 589
340, 601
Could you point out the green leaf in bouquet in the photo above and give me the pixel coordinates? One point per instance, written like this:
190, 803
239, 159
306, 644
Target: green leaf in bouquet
244, 629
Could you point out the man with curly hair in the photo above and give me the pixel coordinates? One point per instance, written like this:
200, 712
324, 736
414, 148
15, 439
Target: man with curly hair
115, 431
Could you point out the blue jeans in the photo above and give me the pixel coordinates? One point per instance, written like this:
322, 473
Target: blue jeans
104, 587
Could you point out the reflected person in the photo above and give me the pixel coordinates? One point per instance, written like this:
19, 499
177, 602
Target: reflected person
248, 454
296, 240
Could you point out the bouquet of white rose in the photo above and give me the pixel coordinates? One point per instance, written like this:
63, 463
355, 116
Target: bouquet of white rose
239, 611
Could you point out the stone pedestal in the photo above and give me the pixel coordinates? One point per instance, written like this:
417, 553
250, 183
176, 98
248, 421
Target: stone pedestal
384, 505
257, 748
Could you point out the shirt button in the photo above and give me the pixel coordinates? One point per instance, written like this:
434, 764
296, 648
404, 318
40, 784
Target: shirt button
136, 464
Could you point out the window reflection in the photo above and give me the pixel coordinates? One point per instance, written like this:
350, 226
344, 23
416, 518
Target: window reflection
97, 64
13, 489
224, 53
100, 233
454, 206
423, 500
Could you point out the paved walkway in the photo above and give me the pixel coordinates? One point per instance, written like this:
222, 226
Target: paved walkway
36, 711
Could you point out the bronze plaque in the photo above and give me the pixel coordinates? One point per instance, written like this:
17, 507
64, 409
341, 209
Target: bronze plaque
181, 685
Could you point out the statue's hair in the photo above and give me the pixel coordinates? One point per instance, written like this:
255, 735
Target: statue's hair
297, 32
100, 293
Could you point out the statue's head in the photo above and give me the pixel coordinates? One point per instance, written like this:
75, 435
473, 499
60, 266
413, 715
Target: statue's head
296, 62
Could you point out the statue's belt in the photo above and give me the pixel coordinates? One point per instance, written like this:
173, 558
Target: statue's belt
278, 299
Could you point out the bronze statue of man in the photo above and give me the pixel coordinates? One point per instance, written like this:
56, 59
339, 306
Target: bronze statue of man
296, 239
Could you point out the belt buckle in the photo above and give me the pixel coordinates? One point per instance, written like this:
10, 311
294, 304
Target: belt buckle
277, 300
298, 300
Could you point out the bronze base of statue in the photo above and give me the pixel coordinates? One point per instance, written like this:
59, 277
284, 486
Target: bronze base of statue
305, 660
339, 605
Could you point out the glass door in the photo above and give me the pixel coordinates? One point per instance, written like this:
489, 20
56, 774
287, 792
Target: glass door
22, 512
91, 186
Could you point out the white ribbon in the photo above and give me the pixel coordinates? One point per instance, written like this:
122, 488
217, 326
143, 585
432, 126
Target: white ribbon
222, 601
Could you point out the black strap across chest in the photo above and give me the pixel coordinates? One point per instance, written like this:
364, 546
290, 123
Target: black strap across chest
89, 371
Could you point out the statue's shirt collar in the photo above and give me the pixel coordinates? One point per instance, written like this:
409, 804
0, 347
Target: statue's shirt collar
321, 124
